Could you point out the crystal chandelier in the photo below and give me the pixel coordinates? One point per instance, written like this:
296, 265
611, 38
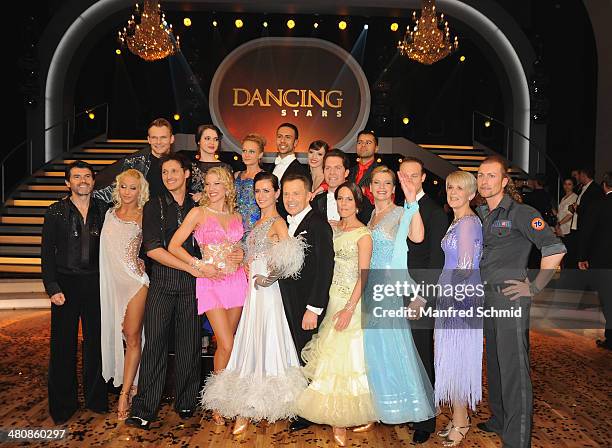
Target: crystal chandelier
426, 42
152, 38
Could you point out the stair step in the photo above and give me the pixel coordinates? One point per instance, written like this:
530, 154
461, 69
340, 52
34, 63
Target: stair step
20, 251
460, 147
21, 220
20, 269
107, 151
30, 202
26, 211
20, 260
453, 157
26, 187
20, 230
46, 181
93, 162
40, 194
19, 239
85, 155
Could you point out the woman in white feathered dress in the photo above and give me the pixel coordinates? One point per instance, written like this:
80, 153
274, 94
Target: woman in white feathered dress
263, 378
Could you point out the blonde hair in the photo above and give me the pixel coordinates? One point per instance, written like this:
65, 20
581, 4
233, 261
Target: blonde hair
510, 188
143, 194
384, 170
464, 179
228, 183
259, 140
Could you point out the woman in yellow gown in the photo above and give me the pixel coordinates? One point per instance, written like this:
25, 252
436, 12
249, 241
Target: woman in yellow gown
338, 394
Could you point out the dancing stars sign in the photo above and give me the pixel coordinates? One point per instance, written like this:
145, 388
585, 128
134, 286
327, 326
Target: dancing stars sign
309, 82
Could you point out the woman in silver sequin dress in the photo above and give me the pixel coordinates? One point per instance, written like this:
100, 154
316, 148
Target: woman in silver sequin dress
123, 286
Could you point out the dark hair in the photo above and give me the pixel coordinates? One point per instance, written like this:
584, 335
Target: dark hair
607, 179
319, 144
355, 191
289, 125
78, 164
161, 123
203, 127
368, 132
264, 175
589, 172
414, 160
177, 157
337, 153
571, 179
297, 176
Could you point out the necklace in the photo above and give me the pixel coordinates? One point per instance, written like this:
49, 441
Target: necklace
216, 212
379, 212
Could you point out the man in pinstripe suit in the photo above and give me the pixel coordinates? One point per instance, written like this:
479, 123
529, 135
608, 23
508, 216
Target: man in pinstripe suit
172, 291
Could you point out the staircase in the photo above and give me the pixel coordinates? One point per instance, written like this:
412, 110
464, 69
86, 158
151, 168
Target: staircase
23, 213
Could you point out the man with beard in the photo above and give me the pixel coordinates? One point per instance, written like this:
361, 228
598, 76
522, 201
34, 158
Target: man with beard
367, 145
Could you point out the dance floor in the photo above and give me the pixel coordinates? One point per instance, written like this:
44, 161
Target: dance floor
572, 396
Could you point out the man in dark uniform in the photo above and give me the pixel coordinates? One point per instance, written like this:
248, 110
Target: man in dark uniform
361, 173
509, 230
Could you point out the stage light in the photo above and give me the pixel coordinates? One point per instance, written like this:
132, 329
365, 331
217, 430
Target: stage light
462, 59
290, 24
235, 157
487, 124
176, 117
394, 26
366, 26
435, 182
239, 23
378, 160
91, 115
118, 51
265, 24
400, 160
405, 120
187, 21
316, 25
342, 25
215, 23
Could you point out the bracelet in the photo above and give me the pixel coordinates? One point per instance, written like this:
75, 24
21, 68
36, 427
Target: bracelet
196, 263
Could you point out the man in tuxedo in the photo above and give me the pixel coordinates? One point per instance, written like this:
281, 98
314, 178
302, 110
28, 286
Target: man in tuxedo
425, 262
305, 298
335, 172
286, 162
594, 253
361, 174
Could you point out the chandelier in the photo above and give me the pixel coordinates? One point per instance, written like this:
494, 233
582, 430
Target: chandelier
152, 38
429, 40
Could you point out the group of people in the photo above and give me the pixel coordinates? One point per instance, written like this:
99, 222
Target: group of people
282, 261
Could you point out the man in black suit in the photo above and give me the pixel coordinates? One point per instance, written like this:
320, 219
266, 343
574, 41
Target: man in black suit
361, 174
305, 298
286, 162
335, 172
425, 262
595, 252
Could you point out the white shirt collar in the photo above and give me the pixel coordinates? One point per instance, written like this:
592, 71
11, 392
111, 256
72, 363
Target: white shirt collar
284, 161
419, 195
297, 219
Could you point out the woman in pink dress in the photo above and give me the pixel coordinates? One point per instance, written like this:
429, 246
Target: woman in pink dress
218, 230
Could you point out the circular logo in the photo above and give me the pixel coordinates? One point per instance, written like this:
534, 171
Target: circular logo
537, 223
309, 82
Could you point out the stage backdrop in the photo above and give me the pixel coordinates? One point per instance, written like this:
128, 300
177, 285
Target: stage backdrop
309, 82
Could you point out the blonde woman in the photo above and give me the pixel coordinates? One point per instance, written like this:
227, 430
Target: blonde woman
252, 152
123, 286
217, 228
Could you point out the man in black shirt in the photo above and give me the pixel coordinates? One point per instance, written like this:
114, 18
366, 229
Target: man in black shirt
69, 258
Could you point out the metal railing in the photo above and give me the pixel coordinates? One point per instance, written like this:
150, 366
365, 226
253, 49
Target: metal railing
74, 133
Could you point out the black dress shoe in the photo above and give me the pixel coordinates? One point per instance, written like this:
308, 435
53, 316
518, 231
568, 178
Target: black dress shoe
484, 426
137, 422
420, 436
604, 343
185, 413
299, 424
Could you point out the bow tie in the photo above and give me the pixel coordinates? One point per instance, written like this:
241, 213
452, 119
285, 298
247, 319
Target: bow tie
277, 160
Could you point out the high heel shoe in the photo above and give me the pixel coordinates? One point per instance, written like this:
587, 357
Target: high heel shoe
340, 436
446, 430
448, 442
218, 419
123, 414
364, 428
240, 426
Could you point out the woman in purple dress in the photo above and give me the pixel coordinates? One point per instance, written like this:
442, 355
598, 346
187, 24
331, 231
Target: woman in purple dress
458, 335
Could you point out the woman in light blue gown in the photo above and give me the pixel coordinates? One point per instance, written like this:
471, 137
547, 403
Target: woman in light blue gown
399, 385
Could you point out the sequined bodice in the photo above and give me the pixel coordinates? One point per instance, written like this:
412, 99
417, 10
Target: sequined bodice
125, 237
247, 207
383, 238
216, 242
346, 257
467, 257
258, 244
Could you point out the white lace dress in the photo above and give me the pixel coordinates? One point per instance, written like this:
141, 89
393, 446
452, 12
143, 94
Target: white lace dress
263, 378
122, 275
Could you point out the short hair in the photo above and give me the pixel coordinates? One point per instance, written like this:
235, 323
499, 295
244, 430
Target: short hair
289, 125
227, 180
297, 176
177, 157
203, 127
411, 159
143, 194
368, 132
335, 152
161, 123
258, 139
355, 191
264, 175
78, 164
382, 169
466, 180
607, 179
319, 144
589, 172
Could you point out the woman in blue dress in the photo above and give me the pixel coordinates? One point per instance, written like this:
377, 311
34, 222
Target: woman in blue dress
252, 152
399, 385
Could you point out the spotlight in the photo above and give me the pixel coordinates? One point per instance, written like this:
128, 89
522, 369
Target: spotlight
435, 182
394, 26
118, 51
342, 25
316, 25
176, 117
462, 59
378, 160
366, 26
290, 24
487, 124
215, 23
405, 120
91, 115
400, 160
265, 24
239, 23
187, 21
235, 157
